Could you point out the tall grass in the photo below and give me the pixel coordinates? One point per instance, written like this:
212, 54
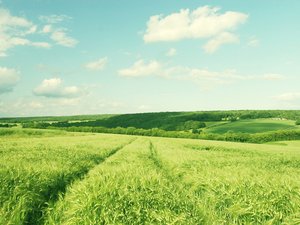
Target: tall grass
34, 171
237, 184
114, 179
129, 188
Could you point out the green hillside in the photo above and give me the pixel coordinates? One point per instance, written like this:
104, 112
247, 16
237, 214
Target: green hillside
253, 126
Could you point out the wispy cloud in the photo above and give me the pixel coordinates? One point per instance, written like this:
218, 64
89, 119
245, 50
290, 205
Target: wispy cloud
97, 65
203, 77
18, 31
273, 76
61, 38
253, 42
141, 68
289, 96
14, 31
54, 18
58, 33
224, 38
171, 52
8, 79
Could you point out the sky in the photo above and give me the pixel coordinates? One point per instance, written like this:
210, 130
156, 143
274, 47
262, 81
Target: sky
62, 57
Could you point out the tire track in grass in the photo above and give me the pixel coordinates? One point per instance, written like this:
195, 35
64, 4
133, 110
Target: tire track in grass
179, 186
37, 216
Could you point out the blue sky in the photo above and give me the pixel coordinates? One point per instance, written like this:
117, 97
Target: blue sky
94, 57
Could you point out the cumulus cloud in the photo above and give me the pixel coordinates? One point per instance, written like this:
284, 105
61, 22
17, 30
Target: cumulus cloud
54, 88
8, 79
203, 22
14, 31
97, 65
171, 52
224, 38
141, 68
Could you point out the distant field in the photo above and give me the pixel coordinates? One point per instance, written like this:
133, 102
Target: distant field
287, 143
55, 177
252, 126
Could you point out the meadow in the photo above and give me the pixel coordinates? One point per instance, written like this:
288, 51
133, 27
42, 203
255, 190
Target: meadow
252, 126
57, 177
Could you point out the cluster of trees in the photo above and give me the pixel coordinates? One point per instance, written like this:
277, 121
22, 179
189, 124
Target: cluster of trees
190, 125
54, 118
229, 136
7, 125
38, 125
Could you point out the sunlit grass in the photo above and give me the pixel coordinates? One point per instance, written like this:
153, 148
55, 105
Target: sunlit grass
115, 179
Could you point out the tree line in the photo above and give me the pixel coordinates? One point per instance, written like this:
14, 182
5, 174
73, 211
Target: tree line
281, 135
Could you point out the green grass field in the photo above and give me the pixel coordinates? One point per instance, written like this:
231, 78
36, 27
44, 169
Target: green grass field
50, 177
252, 126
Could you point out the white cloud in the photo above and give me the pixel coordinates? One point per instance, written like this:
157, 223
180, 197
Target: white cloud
155, 68
224, 38
54, 88
140, 68
97, 65
171, 52
9, 21
273, 76
41, 44
290, 96
204, 78
200, 76
35, 105
47, 29
61, 38
8, 79
54, 18
57, 33
253, 42
203, 22
13, 32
